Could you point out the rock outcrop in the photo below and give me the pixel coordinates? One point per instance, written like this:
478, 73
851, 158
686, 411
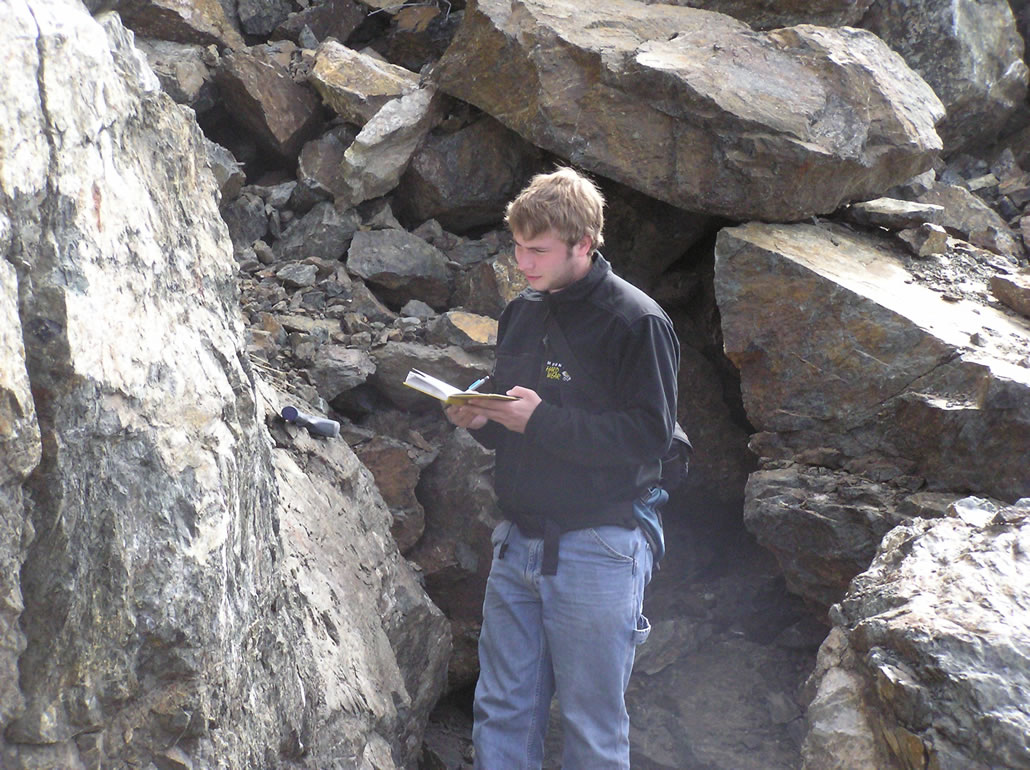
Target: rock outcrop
177, 589
684, 116
855, 357
928, 662
971, 54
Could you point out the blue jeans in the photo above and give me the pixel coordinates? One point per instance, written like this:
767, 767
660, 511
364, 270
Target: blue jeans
575, 632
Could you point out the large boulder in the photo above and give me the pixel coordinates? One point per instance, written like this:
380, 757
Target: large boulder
868, 377
262, 96
859, 361
971, 54
463, 178
183, 594
203, 22
929, 662
697, 109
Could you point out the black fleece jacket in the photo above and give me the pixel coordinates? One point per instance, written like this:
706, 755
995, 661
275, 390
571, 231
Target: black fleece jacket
588, 451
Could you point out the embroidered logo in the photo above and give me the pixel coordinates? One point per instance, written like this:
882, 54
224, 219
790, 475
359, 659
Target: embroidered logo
553, 370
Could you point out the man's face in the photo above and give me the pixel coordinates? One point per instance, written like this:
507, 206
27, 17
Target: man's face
549, 263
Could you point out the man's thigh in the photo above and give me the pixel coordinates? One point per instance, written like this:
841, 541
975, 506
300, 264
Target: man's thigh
593, 621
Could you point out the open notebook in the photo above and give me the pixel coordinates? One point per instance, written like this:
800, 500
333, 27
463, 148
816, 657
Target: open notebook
449, 394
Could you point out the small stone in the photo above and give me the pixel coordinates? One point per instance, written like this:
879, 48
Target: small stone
925, 240
297, 275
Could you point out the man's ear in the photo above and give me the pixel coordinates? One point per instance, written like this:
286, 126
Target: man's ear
583, 245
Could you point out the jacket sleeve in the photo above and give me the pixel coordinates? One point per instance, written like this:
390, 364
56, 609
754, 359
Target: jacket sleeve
640, 428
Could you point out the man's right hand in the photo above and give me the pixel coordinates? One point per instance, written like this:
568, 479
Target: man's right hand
465, 417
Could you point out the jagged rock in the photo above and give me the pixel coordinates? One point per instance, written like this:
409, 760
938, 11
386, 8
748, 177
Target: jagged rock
20, 452
466, 330
192, 581
260, 17
297, 275
841, 733
454, 554
419, 35
318, 167
972, 219
377, 158
936, 638
184, 71
356, 85
262, 96
886, 377
401, 265
488, 286
246, 218
695, 108
925, 240
1013, 290
464, 178
823, 525
451, 364
203, 22
323, 232
339, 369
396, 472
893, 214
762, 14
970, 53
331, 18
227, 171
376, 612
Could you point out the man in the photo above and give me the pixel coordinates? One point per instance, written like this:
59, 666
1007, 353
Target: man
592, 361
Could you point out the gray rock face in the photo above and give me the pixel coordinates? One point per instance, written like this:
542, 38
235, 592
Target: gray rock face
463, 178
323, 232
971, 54
20, 451
175, 581
823, 525
705, 114
936, 639
401, 265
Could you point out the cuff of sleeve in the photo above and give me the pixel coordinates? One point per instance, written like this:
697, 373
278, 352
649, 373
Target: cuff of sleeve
543, 415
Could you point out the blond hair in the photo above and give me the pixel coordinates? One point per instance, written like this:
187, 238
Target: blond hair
564, 201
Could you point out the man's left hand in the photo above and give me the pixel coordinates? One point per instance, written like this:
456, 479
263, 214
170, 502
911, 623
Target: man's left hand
513, 415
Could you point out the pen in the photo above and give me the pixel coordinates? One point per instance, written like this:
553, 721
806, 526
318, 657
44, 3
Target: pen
476, 385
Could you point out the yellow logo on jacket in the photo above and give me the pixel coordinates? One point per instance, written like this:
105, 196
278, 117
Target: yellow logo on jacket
553, 370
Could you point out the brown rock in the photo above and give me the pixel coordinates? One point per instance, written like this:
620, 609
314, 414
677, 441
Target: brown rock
761, 14
839, 346
466, 330
396, 473
356, 85
1013, 290
182, 21
972, 219
464, 178
261, 95
697, 109
488, 286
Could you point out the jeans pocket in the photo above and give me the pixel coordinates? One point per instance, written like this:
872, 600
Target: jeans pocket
642, 631
617, 542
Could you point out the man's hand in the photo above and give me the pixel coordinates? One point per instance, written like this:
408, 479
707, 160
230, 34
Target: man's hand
465, 417
513, 415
